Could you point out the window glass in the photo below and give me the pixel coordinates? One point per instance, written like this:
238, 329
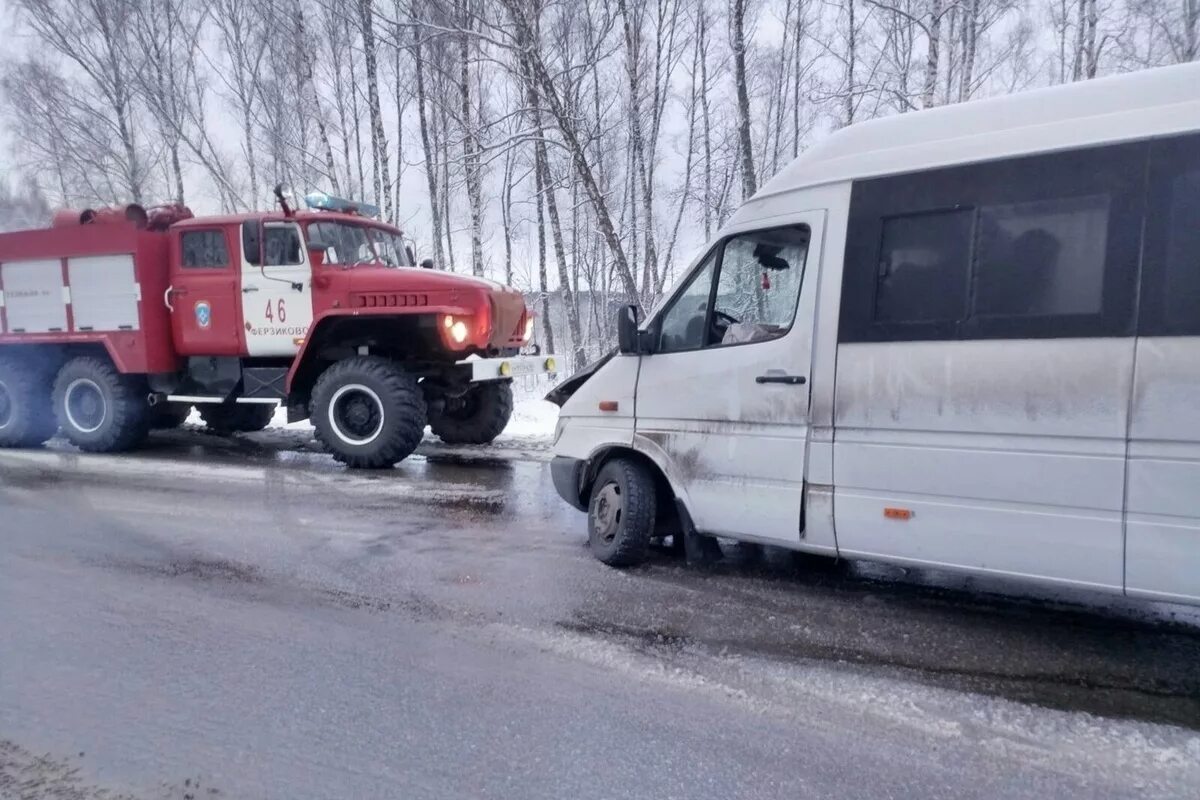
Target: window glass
281, 245
759, 286
1043, 257
1183, 254
684, 323
390, 248
204, 249
1034, 247
348, 244
924, 263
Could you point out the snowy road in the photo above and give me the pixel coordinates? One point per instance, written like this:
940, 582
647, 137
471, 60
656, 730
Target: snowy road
243, 619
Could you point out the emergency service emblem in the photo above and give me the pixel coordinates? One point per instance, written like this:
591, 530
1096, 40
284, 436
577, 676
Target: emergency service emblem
203, 314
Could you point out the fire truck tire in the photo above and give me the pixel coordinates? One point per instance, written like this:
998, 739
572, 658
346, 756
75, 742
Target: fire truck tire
99, 409
168, 416
229, 418
478, 417
368, 412
26, 415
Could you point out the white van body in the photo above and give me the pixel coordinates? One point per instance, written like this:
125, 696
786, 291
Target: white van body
994, 361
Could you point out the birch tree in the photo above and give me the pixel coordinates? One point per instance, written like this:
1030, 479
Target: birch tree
93, 36
737, 43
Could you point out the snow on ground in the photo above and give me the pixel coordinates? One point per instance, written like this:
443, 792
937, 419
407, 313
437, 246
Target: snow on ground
533, 417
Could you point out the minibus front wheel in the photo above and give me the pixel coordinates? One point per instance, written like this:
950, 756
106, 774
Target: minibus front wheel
621, 512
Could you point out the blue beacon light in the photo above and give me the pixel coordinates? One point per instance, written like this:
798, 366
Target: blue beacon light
321, 201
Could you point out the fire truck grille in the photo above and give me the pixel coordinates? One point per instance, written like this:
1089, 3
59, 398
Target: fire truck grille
388, 300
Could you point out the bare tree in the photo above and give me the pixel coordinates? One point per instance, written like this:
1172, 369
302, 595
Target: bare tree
427, 144
470, 135
524, 22
737, 43
241, 33
93, 36
379, 145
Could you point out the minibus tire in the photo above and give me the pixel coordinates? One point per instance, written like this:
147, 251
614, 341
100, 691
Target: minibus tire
99, 409
26, 415
621, 513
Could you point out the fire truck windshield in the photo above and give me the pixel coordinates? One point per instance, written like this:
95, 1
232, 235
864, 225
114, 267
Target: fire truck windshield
348, 244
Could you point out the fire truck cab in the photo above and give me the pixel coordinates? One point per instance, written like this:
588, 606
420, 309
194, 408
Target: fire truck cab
117, 321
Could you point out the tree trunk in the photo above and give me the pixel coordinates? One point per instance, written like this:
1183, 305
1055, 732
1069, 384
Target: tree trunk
638, 145
544, 292
797, 47
383, 187
1080, 39
471, 167
560, 256
506, 215
970, 35
354, 109
444, 150
851, 59
1191, 24
435, 207
401, 104
737, 42
706, 115
929, 96
1093, 56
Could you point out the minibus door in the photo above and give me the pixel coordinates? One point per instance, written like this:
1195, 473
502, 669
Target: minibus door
723, 396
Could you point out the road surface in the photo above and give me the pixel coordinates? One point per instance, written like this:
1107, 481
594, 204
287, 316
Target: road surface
244, 619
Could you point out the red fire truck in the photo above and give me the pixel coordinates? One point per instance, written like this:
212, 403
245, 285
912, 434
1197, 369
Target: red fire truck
117, 321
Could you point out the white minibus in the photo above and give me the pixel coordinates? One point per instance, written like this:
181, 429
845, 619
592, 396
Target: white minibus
964, 338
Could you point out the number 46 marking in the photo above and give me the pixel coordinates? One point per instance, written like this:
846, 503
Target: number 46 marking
276, 311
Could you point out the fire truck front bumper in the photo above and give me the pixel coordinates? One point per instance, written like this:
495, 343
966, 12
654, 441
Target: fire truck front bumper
499, 369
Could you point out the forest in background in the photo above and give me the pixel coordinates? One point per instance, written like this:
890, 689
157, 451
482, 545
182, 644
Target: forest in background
580, 150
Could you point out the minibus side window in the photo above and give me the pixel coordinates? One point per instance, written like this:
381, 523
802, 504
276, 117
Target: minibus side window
924, 261
1041, 257
1032, 247
1170, 291
1183, 254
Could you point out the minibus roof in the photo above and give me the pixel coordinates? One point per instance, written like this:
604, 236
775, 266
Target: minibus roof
1136, 105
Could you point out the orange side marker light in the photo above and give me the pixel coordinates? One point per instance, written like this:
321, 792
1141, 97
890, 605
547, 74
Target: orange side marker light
608, 405
898, 513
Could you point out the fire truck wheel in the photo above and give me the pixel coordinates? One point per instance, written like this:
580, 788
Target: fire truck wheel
98, 408
168, 416
26, 416
228, 418
478, 417
368, 412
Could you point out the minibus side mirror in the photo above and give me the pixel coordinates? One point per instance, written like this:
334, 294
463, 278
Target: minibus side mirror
627, 330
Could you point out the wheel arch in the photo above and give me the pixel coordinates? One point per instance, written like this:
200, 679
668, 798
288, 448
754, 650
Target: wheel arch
606, 453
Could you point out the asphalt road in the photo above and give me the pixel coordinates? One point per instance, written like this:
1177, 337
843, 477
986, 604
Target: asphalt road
212, 619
